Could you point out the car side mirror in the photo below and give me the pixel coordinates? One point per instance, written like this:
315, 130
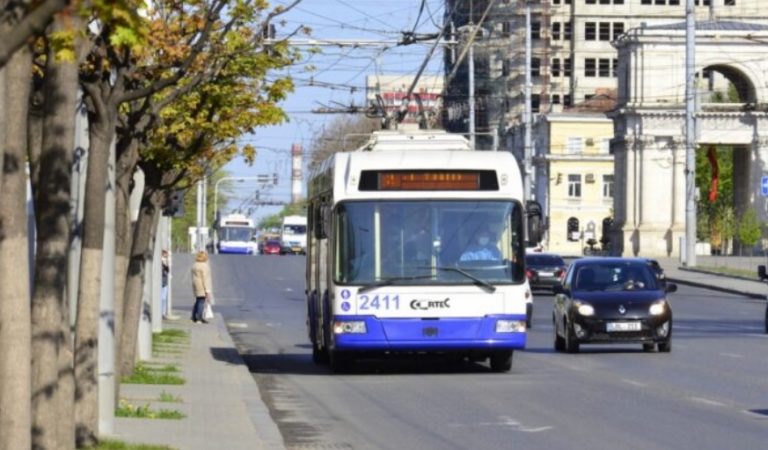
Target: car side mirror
557, 289
761, 273
671, 287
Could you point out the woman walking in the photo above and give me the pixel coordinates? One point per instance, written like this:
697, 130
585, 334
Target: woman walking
201, 285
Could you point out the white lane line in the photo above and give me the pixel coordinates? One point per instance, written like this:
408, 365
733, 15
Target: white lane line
288, 289
635, 383
505, 421
237, 324
732, 355
707, 401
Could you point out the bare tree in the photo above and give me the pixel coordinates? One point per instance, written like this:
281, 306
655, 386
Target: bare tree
345, 133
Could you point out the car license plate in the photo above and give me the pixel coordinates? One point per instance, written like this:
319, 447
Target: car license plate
546, 274
296, 249
623, 326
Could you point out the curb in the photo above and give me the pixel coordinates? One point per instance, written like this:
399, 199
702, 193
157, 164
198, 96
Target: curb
716, 288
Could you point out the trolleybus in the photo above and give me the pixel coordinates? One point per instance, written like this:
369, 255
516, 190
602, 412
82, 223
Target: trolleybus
234, 234
390, 226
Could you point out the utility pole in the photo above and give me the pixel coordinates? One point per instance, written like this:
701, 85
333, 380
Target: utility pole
471, 100
527, 151
690, 136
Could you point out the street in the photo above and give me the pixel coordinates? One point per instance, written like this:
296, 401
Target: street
711, 391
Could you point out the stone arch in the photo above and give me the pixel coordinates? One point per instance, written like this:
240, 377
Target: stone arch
649, 142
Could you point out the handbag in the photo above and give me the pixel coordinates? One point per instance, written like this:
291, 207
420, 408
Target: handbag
207, 311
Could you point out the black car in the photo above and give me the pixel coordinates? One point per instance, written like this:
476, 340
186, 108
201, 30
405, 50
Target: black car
612, 300
544, 270
657, 270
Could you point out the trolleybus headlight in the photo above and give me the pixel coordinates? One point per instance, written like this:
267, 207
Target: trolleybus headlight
510, 326
658, 308
349, 327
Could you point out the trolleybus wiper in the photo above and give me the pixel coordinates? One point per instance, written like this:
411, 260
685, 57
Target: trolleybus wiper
389, 281
488, 286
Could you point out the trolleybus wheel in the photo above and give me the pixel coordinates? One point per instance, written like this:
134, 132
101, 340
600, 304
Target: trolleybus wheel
319, 356
341, 362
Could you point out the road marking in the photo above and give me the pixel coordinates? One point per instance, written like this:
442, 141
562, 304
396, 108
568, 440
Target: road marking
635, 383
505, 421
288, 290
707, 401
732, 355
237, 324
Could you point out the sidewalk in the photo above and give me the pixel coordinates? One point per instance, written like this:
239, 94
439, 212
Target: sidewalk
220, 399
749, 287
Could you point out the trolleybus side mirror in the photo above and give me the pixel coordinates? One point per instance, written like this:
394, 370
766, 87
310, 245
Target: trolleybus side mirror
761, 273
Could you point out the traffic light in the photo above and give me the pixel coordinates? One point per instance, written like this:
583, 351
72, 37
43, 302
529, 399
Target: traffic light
174, 204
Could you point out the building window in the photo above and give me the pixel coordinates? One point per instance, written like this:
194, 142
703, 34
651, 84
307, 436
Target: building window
618, 29
615, 71
535, 67
535, 103
536, 30
567, 100
590, 31
574, 185
572, 229
575, 145
604, 68
556, 31
607, 186
605, 31
555, 99
567, 31
589, 67
506, 29
567, 67
555, 67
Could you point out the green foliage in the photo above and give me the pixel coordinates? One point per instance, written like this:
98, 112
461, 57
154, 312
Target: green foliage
171, 335
143, 374
169, 398
111, 444
711, 214
749, 228
125, 409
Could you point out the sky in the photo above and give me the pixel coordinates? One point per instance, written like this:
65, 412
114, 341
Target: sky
341, 71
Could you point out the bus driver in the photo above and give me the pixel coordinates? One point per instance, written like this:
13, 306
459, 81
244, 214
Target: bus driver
482, 249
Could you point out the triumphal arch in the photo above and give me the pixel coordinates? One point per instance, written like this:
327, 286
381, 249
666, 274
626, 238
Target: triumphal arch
649, 143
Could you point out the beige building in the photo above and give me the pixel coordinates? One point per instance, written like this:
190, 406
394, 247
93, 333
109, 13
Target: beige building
574, 178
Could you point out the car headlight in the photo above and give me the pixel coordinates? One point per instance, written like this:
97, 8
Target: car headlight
584, 309
658, 308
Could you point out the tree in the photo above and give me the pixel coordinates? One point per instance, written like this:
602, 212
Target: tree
342, 134
28, 19
15, 311
749, 230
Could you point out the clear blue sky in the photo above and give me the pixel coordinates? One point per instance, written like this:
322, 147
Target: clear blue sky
344, 69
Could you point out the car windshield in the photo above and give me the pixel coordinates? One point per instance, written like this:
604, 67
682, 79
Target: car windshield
544, 260
614, 277
422, 242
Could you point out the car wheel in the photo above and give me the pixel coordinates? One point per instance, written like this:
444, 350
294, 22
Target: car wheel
571, 344
559, 341
501, 361
666, 346
648, 347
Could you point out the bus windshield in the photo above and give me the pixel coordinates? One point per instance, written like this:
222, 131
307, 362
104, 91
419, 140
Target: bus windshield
237, 234
424, 242
294, 229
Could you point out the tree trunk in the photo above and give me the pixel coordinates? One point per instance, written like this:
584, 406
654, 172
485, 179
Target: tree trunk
15, 311
126, 167
52, 392
144, 232
100, 133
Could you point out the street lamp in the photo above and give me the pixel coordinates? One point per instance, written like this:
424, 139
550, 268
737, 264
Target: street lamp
263, 179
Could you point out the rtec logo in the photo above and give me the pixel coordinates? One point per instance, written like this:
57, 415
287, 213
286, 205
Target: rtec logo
424, 305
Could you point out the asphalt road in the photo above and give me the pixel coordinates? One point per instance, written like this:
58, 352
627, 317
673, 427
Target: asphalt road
710, 392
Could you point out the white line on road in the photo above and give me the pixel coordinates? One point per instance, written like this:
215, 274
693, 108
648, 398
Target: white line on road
732, 355
237, 324
707, 401
635, 383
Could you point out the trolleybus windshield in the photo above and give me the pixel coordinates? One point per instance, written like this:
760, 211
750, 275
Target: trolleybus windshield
421, 242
